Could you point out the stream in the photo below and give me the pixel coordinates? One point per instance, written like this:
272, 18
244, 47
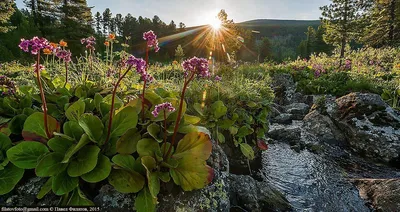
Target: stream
320, 182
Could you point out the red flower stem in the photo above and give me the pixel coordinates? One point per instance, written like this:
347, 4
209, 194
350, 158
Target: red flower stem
112, 104
44, 106
66, 74
144, 83
178, 119
165, 131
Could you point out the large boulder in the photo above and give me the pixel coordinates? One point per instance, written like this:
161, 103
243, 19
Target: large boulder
323, 127
383, 195
372, 127
248, 194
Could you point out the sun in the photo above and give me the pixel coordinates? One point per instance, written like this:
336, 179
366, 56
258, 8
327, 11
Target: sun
215, 23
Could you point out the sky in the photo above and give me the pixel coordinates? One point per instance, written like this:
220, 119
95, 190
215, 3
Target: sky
200, 12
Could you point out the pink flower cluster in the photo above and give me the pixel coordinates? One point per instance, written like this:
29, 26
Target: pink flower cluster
197, 65
64, 55
140, 66
151, 39
90, 42
41, 67
36, 45
218, 78
164, 106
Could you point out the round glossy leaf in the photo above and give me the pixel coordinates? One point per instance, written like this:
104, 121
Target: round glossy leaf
145, 202
247, 151
26, 154
100, 172
126, 181
17, 124
219, 109
73, 130
34, 128
59, 144
92, 126
51, 165
85, 161
123, 121
124, 161
75, 111
63, 183
127, 143
9, 177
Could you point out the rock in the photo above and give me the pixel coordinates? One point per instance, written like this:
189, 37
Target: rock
299, 110
284, 88
250, 195
110, 199
383, 195
287, 133
25, 194
372, 128
283, 118
322, 127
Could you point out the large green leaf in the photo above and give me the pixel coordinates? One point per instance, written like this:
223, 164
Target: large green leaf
63, 183
144, 202
245, 131
34, 128
153, 181
123, 121
78, 199
188, 119
85, 161
51, 165
9, 177
46, 188
247, 151
75, 111
154, 130
59, 144
126, 181
100, 172
126, 144
73, 130
148, 147
5, 143
124, 161
75, 148
25, 155
219, 109
92, 126
192, 171
16, 125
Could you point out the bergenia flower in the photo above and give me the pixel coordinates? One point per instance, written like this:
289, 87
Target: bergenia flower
151, 39
90, 42
64, 55
197, 65
167, 106
36, 44
218, 78
41, 67
138, 63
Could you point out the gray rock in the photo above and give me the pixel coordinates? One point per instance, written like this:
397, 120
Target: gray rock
383, 195
110, 199
287, 133
299, 110
322, 127
283, 118
372, 128
250, 195
284, 88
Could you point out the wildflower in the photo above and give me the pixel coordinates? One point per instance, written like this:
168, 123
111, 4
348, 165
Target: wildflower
111, 36
164, 106
8, 84
47, 51
41, 67
151, 39
36, 45
64, 55
347, 64
63, 43
107, 43
90, 42
138, 63
54, 45
147, 77
175, 62
218, 78
197, 65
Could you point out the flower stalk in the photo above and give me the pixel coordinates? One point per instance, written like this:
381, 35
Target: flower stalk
42, 96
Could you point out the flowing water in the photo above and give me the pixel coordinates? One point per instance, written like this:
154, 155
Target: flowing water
320, 182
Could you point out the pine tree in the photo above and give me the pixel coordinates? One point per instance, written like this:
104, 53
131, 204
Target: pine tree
382, 26
119, 21
339, 20
6, 10
179, 53
98, 21
106, 20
